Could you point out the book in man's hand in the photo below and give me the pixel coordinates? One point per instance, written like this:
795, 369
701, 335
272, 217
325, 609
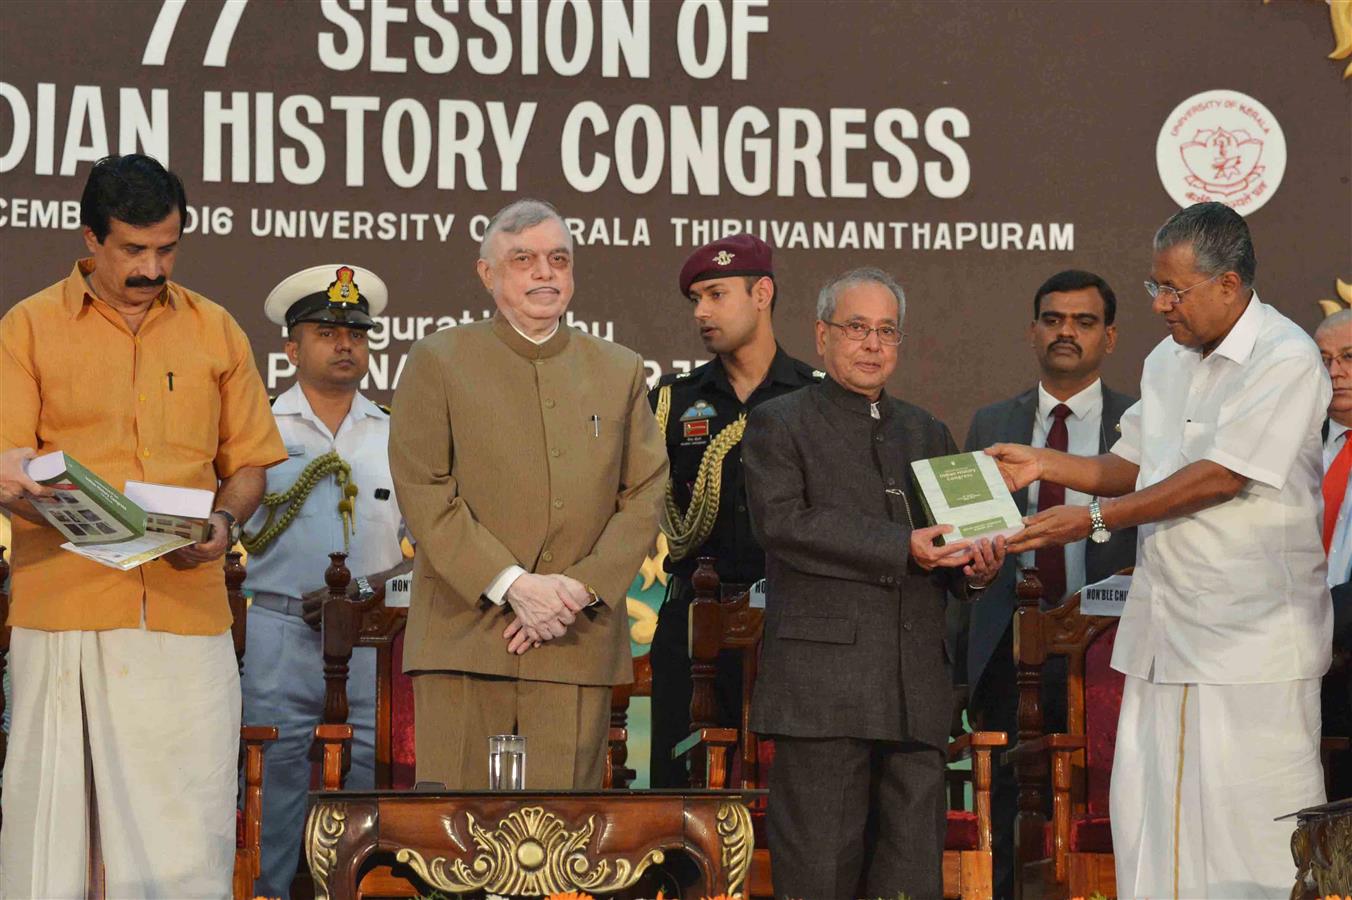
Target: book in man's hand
966, 490
121, 529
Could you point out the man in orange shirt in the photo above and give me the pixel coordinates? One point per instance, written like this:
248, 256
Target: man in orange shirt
125, 683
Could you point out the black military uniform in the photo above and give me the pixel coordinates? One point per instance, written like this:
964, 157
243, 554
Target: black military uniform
703, 418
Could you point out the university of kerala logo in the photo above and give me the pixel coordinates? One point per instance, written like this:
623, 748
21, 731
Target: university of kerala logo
1224, 146
724, 257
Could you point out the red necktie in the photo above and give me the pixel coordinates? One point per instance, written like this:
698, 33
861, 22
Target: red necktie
1051, 561
1335, 488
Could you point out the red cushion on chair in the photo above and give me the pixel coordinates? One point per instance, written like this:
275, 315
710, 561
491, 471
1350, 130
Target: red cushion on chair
1091, 834
1102, 701
401, 719
962, 832
1088, 834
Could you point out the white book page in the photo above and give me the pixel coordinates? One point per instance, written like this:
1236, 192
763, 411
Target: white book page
192, 503
126, 555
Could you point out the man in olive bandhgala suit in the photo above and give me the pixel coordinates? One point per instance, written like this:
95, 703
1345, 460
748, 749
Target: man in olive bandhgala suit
530, 470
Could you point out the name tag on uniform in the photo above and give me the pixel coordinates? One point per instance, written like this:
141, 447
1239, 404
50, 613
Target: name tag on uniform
1105, 598
398, 590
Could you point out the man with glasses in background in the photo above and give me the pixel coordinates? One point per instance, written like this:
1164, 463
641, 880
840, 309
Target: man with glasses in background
1228, 623
854, 682
1070, 409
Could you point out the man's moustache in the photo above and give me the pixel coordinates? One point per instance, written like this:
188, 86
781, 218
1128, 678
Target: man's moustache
1071, 344
139, 281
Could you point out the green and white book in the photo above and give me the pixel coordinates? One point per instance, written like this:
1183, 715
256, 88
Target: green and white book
966, 490
113, 528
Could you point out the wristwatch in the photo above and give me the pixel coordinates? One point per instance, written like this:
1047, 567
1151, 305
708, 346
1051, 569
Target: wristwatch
364, 590
231, 525
1098, 531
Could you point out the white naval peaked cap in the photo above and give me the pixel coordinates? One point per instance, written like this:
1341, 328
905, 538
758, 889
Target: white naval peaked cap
338, 292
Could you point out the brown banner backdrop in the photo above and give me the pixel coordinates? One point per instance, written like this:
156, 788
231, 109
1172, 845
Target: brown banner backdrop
975, 147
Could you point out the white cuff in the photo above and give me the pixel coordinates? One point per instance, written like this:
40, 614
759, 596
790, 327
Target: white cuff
497, 591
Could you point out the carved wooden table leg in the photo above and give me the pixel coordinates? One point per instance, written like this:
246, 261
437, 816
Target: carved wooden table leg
338, 837
720, 835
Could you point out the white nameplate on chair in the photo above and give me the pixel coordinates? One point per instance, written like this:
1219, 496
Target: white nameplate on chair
398, 590
1105, 598
756, 598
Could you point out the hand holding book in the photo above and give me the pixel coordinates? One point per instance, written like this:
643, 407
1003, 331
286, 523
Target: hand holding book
1020, 465
16, 488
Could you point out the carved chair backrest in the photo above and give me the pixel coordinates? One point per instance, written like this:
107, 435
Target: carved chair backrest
722, 619
348, 624
622, 776
1093, 688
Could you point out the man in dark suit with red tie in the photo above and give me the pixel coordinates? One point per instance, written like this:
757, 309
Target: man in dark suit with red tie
1334, 337
1070, 409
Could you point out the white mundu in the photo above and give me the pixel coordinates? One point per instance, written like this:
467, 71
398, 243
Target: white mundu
1228, 625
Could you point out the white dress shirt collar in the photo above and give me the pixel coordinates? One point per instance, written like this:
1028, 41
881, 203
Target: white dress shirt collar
1088, 402
1238, 344
293, 402
539, 340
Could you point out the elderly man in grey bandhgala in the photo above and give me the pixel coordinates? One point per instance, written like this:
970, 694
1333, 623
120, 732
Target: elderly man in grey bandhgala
530, 470
854, 682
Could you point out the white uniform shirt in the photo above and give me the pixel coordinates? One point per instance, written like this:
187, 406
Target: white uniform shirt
1235, 593
1083, 427
1340, 550
294, 563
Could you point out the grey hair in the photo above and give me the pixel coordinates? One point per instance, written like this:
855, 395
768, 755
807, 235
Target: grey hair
516, 217
1218, 236
831, 291
1341, 317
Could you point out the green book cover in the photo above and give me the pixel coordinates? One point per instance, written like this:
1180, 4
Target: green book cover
965, 490
85, 508
960, 480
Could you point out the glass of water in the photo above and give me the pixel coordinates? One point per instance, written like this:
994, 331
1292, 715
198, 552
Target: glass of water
506, 762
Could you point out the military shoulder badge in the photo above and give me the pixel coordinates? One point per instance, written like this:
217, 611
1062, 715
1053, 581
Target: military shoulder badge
344, 287
818, 374
695, 420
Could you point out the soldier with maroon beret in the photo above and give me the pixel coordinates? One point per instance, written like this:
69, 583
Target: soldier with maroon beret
731, 289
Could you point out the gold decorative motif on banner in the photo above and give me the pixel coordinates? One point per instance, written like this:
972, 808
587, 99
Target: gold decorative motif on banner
1340, 20
738, 840
1344, 300
531, 852
326, 825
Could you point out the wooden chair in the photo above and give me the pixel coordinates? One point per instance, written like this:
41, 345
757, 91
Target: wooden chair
253, 741
618, 774
722, 619
1072, 855
348, 624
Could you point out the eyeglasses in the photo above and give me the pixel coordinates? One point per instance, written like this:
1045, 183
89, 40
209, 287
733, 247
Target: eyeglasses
858, 331
1173, 294
1343, 359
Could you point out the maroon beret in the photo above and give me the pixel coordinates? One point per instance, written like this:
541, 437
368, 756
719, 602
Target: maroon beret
738, 254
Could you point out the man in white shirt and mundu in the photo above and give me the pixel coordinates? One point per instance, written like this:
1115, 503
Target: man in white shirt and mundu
1227, 627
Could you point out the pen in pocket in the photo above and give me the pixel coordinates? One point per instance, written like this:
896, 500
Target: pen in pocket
171, 381
596, 426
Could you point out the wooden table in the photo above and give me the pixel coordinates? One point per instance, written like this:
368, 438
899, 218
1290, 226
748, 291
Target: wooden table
1322, 849
531, 843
